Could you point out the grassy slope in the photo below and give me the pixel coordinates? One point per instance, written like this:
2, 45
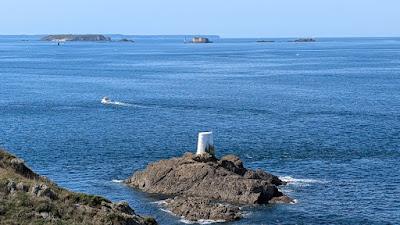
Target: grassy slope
27, 198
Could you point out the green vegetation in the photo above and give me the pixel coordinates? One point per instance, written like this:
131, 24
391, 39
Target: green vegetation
27, 198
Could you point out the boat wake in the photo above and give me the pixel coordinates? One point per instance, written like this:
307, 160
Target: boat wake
108, 101
120, 103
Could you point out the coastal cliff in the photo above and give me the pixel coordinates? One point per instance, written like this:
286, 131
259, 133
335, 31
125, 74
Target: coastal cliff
27, 198
206, 188
74, 37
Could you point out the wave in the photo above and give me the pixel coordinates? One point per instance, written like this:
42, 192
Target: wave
301, 182
183, 220
248, 156
161, 202
201, 221
167, 211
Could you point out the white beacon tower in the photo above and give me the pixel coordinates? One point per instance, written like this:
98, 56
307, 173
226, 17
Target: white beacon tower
205, 143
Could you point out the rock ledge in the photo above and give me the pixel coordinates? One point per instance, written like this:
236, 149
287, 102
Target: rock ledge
208, 188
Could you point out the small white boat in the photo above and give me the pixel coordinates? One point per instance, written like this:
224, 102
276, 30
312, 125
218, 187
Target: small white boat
106, 100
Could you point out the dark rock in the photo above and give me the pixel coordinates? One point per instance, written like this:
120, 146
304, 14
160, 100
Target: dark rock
233, 164
42, 190
11, 186
282, 199
22, 187
265, 41
223, 180
198, 40
203, 158
305, 40
262, 175
126, 40
193, 208
123, 207
207, 179
16, 165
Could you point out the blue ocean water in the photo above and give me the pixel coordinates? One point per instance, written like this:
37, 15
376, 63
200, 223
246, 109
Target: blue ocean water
325, 116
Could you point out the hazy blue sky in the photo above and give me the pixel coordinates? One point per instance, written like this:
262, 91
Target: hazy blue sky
229, 18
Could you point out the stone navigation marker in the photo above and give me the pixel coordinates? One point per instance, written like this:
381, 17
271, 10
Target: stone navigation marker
202, 187
205, 143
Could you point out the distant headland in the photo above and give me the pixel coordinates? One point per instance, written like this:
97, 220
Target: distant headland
76, 37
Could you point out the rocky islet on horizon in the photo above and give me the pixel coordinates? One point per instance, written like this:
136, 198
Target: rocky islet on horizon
200, 40
305, 40
76, 37
83, 37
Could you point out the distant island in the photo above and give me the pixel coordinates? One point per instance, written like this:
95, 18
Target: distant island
126, 40
199, 40
76, 37
304, 40
265, 41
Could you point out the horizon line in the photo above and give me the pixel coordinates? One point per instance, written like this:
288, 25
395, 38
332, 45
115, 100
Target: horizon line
219, 36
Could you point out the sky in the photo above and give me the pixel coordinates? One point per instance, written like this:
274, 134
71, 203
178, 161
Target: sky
227, 18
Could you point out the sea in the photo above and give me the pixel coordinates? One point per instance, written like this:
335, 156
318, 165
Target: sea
323, 116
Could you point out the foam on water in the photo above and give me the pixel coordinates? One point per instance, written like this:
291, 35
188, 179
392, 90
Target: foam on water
117, 181
301, 181
248, 156
183, 220
201, 221
167, 211
161, 202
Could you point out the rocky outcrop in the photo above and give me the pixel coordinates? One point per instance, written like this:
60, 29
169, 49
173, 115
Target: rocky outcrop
27, 198
265, 41
209, 180
305, 40
76, 37
126, 40
198, 40
193, 208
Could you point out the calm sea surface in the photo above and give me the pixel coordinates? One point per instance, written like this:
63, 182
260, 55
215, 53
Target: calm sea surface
325, 116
